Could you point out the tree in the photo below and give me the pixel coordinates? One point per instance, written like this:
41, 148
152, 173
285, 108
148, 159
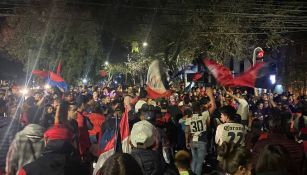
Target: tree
46, 32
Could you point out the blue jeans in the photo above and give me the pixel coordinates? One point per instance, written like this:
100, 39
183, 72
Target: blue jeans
199, 152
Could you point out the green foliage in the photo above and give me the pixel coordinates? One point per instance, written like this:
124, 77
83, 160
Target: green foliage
50, 32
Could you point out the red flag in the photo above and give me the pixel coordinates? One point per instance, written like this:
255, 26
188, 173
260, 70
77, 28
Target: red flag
40, 73
109, 147
124, 132
220, 73
197, 76
58, 70
155, 85
55, 77
154, 94
224, 77
103, 73
249, 77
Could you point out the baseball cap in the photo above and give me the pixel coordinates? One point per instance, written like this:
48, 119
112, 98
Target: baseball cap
142, 133
58, 132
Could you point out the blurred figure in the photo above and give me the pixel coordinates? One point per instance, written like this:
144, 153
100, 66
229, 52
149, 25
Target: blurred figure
229, 131
182, 162
278, 135
120, 164
59, 156
97, 119
26, 147
142, 140
235, 159
8, 128
274, 160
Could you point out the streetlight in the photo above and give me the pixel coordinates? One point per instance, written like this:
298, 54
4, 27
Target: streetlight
106, 63
84, 81
145, 44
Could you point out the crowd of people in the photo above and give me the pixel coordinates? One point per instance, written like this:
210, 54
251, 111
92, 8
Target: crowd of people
204, 131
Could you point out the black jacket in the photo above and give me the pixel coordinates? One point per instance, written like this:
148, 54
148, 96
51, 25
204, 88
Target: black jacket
59, 158
152, 163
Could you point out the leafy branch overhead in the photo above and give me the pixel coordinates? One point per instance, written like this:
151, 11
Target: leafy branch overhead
176, 32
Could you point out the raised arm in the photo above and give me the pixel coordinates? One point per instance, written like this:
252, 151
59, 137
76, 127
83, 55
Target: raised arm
212, 100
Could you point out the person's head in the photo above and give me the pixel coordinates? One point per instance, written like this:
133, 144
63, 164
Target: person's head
49, 109
72, 111
228, 113
236, 159
183, 160
260, 105
275, 122
186, 99
256, 124
105, 91
69, 97
37, 96
120, 164
187, 112
196, 108
164, 104
266, 104
273, 158
142, 135
205, 102
265, 97
30, 101
143, 93
106, 100
95, 95
148, 112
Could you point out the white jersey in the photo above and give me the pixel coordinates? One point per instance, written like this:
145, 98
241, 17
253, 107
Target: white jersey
198, 126
230, 132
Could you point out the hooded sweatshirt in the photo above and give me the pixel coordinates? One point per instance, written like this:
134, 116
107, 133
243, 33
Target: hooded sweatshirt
26, 147
59, 157
8, 128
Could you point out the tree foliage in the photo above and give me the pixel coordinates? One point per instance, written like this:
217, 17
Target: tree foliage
45, 33
176, 31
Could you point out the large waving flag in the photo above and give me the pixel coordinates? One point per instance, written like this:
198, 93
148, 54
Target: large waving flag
54, 80
225, 78
156, 82
40, 73
112, 138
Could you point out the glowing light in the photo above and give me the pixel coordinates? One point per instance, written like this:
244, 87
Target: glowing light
145, 44
106, 63
24, 91
47, 86
279, 89
84, 80
273, 79
260, 54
